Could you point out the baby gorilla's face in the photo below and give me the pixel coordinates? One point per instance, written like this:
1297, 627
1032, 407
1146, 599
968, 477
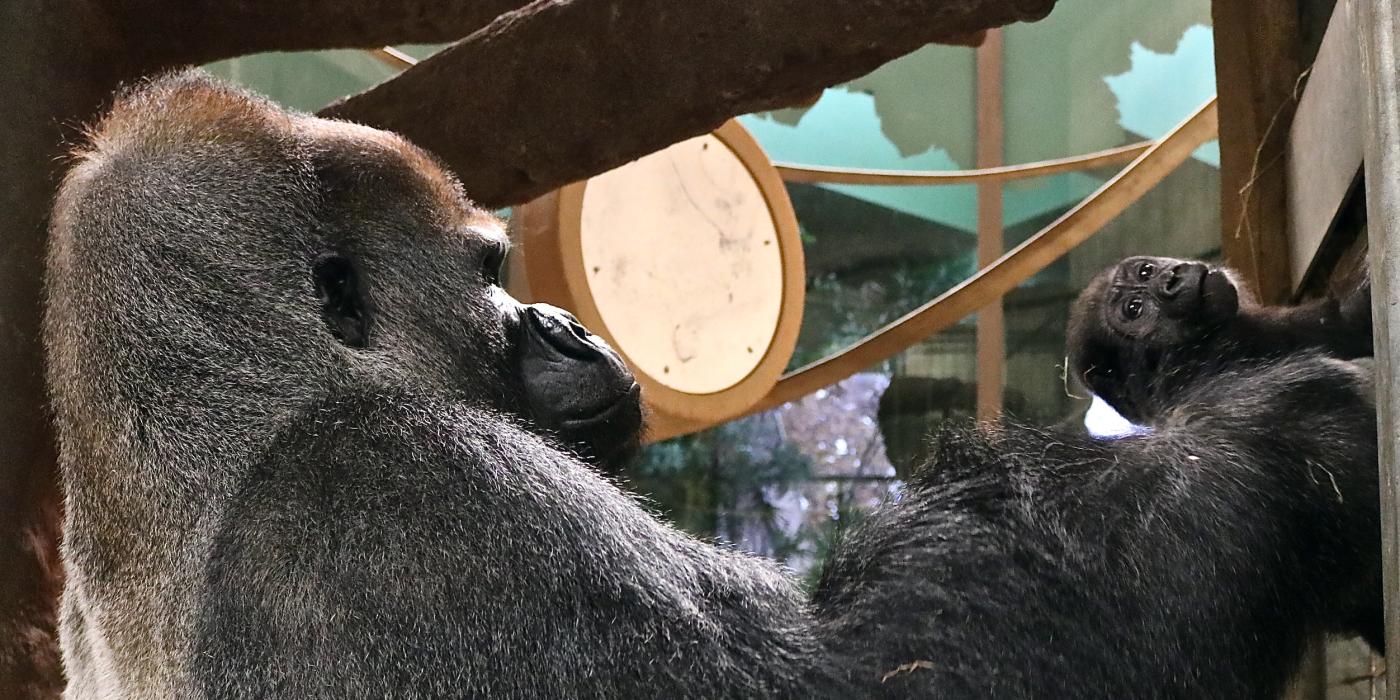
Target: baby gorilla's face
1164, 301
1137, 313
411, 273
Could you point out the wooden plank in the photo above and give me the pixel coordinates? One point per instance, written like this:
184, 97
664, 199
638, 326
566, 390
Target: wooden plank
1324, 144
1340, 261
991, 319
1257, 74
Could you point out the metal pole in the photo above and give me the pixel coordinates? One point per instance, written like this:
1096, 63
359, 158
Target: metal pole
1379, 27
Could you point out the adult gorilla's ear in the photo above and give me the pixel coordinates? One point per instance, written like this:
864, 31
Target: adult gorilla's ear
343, 306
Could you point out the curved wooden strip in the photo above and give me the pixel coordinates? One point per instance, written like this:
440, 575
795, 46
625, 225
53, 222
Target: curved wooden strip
393, 57
863, 176
995, 280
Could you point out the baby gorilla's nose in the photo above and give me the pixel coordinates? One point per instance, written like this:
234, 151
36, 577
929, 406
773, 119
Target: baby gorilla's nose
1173, 279
1172, 284
1178, 288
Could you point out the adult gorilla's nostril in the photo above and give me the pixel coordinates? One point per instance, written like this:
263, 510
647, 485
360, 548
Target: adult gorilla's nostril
562, 332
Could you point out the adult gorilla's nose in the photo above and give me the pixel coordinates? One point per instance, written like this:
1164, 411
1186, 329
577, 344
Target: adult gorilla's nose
575, 383
563, 334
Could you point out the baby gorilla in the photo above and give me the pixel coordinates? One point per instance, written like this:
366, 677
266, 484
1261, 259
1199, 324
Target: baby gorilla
311, 449
1147, 326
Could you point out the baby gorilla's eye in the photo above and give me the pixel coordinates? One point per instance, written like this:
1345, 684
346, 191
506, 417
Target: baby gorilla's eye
1145, 270
1132, 308
491, 262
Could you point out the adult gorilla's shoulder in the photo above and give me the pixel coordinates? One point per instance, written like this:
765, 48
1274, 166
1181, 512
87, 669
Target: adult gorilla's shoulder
393, 540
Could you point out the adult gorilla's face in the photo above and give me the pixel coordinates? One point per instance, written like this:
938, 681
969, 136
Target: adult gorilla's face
409, 272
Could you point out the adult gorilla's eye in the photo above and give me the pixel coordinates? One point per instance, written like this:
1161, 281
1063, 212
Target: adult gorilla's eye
1133, 308
1144, 273
491, 262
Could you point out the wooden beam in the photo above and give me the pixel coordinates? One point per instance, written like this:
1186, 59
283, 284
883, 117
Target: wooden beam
1257, 76
991, 319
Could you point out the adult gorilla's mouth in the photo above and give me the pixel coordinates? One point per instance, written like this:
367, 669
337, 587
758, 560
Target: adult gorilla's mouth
576, 384
607, 412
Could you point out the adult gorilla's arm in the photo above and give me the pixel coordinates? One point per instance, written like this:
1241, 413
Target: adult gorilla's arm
394, 545
1193, 562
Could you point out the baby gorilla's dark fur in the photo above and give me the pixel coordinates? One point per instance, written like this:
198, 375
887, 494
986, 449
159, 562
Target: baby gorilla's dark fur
1194, 562
1148, 326
269, 501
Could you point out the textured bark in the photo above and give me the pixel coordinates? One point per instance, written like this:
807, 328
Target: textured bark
558, 91
567, 89
174, 32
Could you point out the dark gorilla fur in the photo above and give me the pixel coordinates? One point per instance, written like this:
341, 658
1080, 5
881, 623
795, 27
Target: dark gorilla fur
261, 505
1147, 326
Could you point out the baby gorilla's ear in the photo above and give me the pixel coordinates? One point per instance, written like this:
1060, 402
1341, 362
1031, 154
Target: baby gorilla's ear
342, 299
1093, 366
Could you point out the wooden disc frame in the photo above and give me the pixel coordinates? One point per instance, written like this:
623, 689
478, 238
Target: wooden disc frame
554, 262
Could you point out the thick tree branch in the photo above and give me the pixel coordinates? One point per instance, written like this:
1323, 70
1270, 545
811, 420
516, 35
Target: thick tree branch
564, 89
197, 31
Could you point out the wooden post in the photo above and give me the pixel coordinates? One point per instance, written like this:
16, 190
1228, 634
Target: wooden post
1257, 74
991, 320
1379, 24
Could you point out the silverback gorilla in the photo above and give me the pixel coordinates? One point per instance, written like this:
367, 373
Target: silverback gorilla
311, 450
